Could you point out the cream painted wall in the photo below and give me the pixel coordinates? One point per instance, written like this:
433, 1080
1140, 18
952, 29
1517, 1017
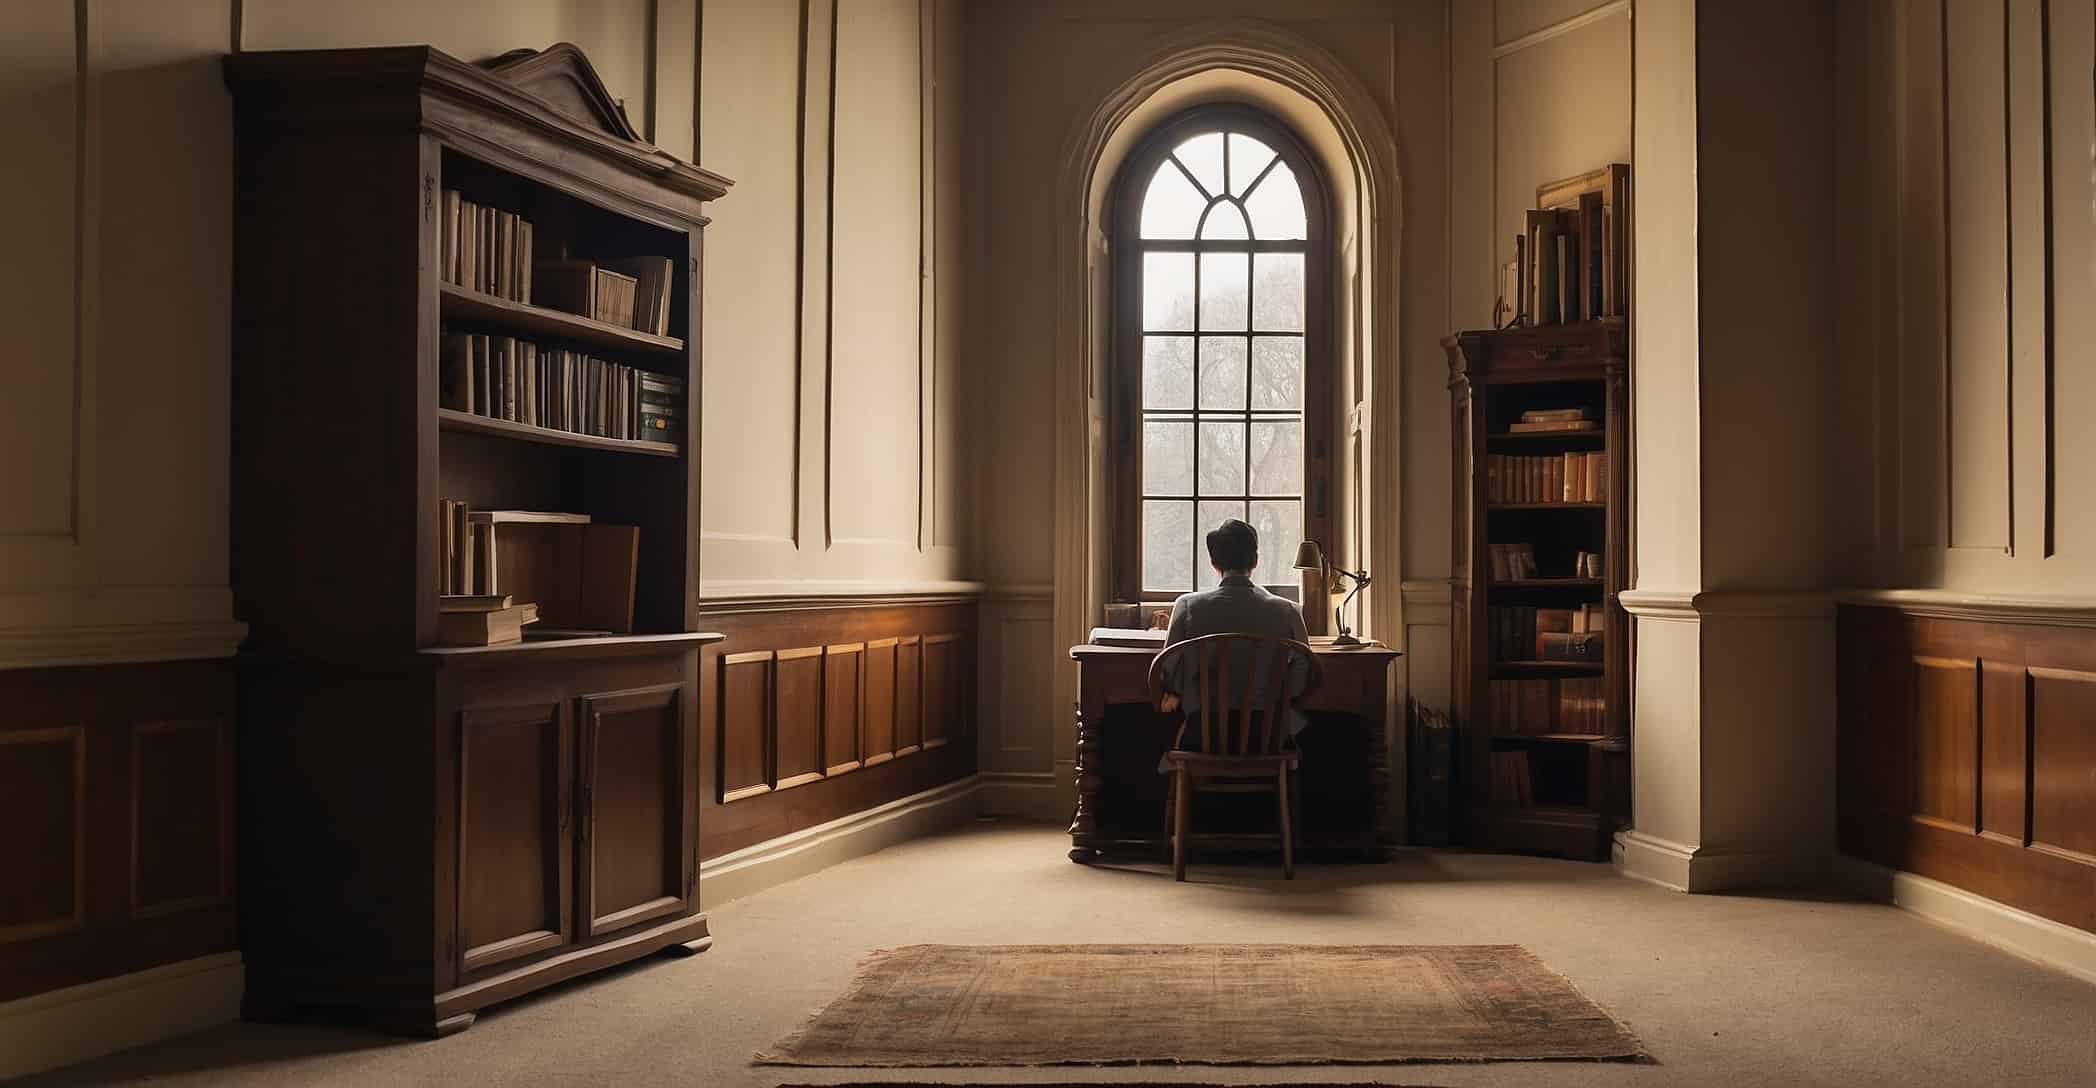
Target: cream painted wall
836, 391
1960, 445
114, 433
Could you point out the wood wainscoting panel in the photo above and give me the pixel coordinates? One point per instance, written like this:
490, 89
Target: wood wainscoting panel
2063, 762
634, 863
878, 736
1946, 741
744, 713
181, 816
116, 799
43, 805
1966, 752
842, 702
2004, 751
796, 723
909, 694
869, 701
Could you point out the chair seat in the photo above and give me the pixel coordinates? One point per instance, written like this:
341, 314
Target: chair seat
1204, 763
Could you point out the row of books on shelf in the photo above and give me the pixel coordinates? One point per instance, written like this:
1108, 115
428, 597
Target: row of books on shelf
486, 249
499, 570
1572, 476
1575, 706
502, 377
1546, 634
495, 252
1512, 786
1515, 562
1569, 260
1554, 421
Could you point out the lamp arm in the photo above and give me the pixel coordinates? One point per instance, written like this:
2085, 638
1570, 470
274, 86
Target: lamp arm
1360, 582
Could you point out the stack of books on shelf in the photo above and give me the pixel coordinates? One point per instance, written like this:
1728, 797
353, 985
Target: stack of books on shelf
489, 619
1572, 707
1553, 421
1552, 478
1512, 562
485, 249
1546, 634
502, 377
1569, 260
1511, 787
631, 292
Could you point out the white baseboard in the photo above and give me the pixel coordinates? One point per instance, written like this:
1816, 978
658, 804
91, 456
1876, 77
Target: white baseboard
63, 1027
776, 861
1696, 869
2041, 940
1023, 795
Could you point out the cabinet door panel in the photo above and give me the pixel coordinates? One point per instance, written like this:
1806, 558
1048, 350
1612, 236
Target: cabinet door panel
516, 854
636, 808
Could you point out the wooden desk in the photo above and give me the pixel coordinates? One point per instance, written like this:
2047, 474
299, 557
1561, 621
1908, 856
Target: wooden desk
1120, 737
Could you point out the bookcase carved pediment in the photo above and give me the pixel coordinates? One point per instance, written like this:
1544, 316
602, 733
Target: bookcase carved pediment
563, 78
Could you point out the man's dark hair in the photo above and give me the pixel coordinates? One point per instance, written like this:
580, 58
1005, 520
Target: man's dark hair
1233, 545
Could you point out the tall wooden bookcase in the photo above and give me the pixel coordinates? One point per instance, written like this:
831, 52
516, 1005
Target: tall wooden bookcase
1577, 760
429, 829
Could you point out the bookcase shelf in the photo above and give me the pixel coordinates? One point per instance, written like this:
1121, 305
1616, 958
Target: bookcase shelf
451, 419
457, 303
1548, 762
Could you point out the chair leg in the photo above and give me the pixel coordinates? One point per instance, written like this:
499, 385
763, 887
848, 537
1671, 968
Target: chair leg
1287, 829
1171, 804
1181, 791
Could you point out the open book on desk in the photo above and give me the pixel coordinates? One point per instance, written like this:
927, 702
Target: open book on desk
1137, 637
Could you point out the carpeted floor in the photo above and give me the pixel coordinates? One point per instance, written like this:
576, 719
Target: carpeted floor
1722, 990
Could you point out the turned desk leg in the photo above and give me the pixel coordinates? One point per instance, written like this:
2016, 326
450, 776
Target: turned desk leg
1084, 828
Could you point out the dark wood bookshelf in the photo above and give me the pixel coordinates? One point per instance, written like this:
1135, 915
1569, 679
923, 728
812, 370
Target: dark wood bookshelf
1578, 780
429, 829
525, 321
451, 419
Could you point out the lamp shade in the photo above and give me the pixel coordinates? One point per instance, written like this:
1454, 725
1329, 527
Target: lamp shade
1308, 556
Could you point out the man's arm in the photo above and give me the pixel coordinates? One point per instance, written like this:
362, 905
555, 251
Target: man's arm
1176, 631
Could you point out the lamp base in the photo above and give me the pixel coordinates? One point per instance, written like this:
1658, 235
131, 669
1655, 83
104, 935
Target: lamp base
1346, 638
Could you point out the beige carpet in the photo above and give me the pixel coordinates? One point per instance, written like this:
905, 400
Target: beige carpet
1034, 1005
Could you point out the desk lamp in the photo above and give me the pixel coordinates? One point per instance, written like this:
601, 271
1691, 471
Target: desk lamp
1308, 556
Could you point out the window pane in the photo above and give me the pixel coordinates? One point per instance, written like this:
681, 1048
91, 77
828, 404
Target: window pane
1277, 458
1277, 372
1223, 373
1168, 372
1222, 459
1224, 279
1280, 526
1168, 546
1172, 206
1168, 458
1278, 297
1247, 157
1212, 514
1276, 204
1168, 291
1224, 223
1203, 156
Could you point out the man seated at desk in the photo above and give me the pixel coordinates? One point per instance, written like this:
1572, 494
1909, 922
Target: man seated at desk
1238, 606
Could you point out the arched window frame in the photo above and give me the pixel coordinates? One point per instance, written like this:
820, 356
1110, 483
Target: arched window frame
1125, 406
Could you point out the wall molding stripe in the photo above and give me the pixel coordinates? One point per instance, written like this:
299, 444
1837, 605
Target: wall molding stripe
1701, 870
1685, 604
777, 596
1978, 607
118, 644
1560, 28
2040, 940
752, 869
78, 1023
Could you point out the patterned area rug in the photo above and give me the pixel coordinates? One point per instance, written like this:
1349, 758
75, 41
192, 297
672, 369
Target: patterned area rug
1034, 1005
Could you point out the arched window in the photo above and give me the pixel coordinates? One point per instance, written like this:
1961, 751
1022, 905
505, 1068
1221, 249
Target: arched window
1222, 350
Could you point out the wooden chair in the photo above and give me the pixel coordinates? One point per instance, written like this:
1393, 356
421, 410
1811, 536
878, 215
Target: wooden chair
1233, 746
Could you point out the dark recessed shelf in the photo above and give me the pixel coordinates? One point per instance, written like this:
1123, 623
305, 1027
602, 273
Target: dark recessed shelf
598, 644
1545, 583
463, 304
451, 419
1566, 668
1547, 506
